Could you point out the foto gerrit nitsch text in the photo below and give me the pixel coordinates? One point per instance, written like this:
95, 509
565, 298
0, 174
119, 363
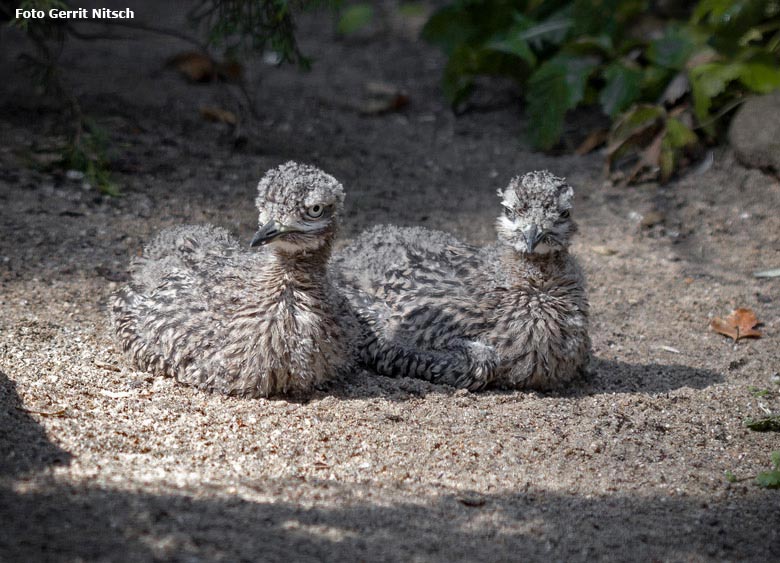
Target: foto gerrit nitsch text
79, 14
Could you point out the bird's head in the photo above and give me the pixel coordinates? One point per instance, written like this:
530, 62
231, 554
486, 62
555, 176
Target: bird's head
299, 207
536, 212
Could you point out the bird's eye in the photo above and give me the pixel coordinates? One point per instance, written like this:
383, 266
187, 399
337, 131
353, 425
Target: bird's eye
315, 211
565, 214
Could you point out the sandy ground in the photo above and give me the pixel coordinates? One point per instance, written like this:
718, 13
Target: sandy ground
102, 463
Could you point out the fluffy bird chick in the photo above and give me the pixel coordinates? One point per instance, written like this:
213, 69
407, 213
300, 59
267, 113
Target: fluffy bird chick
539, 321
250, 323
512, 314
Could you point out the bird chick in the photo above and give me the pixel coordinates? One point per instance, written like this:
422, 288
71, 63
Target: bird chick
539, 318
511, 314
205, 311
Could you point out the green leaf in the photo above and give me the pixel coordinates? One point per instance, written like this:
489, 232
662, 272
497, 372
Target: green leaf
678, 135
557, 86
760, 78
673, 49
730, 477
714, 8
513, 46
591, 45
636, 121
354, 18
622, 88
776, 459
467, 61
448, 28
708, 81
458, 78
553, 32
769, 479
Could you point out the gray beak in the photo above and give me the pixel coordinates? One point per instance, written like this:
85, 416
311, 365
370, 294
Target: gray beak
268, 232
532, 237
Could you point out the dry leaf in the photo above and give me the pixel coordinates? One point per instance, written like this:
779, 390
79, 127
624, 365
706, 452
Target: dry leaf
383, 98
603, 250
230, 71
218, 115
595, 139
60, 412
739, 324
194, 65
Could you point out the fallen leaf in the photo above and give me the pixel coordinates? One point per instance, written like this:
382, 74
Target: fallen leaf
195, 65
219, 115
739, 324
603, 250
383, 98
109, 367
60, 412
595, 139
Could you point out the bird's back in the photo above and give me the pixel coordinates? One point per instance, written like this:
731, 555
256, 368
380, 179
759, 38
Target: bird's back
162, 314
391, 262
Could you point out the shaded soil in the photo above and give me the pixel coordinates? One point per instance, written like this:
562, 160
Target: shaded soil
100, 462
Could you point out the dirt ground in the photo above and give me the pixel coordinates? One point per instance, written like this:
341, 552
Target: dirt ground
99, 462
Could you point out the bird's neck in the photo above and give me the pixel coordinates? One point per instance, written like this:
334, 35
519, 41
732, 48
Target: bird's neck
537, 264
306, 267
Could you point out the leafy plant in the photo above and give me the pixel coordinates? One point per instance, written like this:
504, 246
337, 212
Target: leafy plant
240, 25
229, 25
665, 88
771, 479
88, 153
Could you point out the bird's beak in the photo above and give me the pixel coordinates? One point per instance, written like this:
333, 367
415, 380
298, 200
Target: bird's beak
532, 237
268, 232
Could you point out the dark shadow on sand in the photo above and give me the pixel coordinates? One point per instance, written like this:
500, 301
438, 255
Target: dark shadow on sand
86, 523
24, 446
604, 376
613, 376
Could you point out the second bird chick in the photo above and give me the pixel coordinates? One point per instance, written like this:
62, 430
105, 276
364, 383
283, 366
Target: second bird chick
512, 314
